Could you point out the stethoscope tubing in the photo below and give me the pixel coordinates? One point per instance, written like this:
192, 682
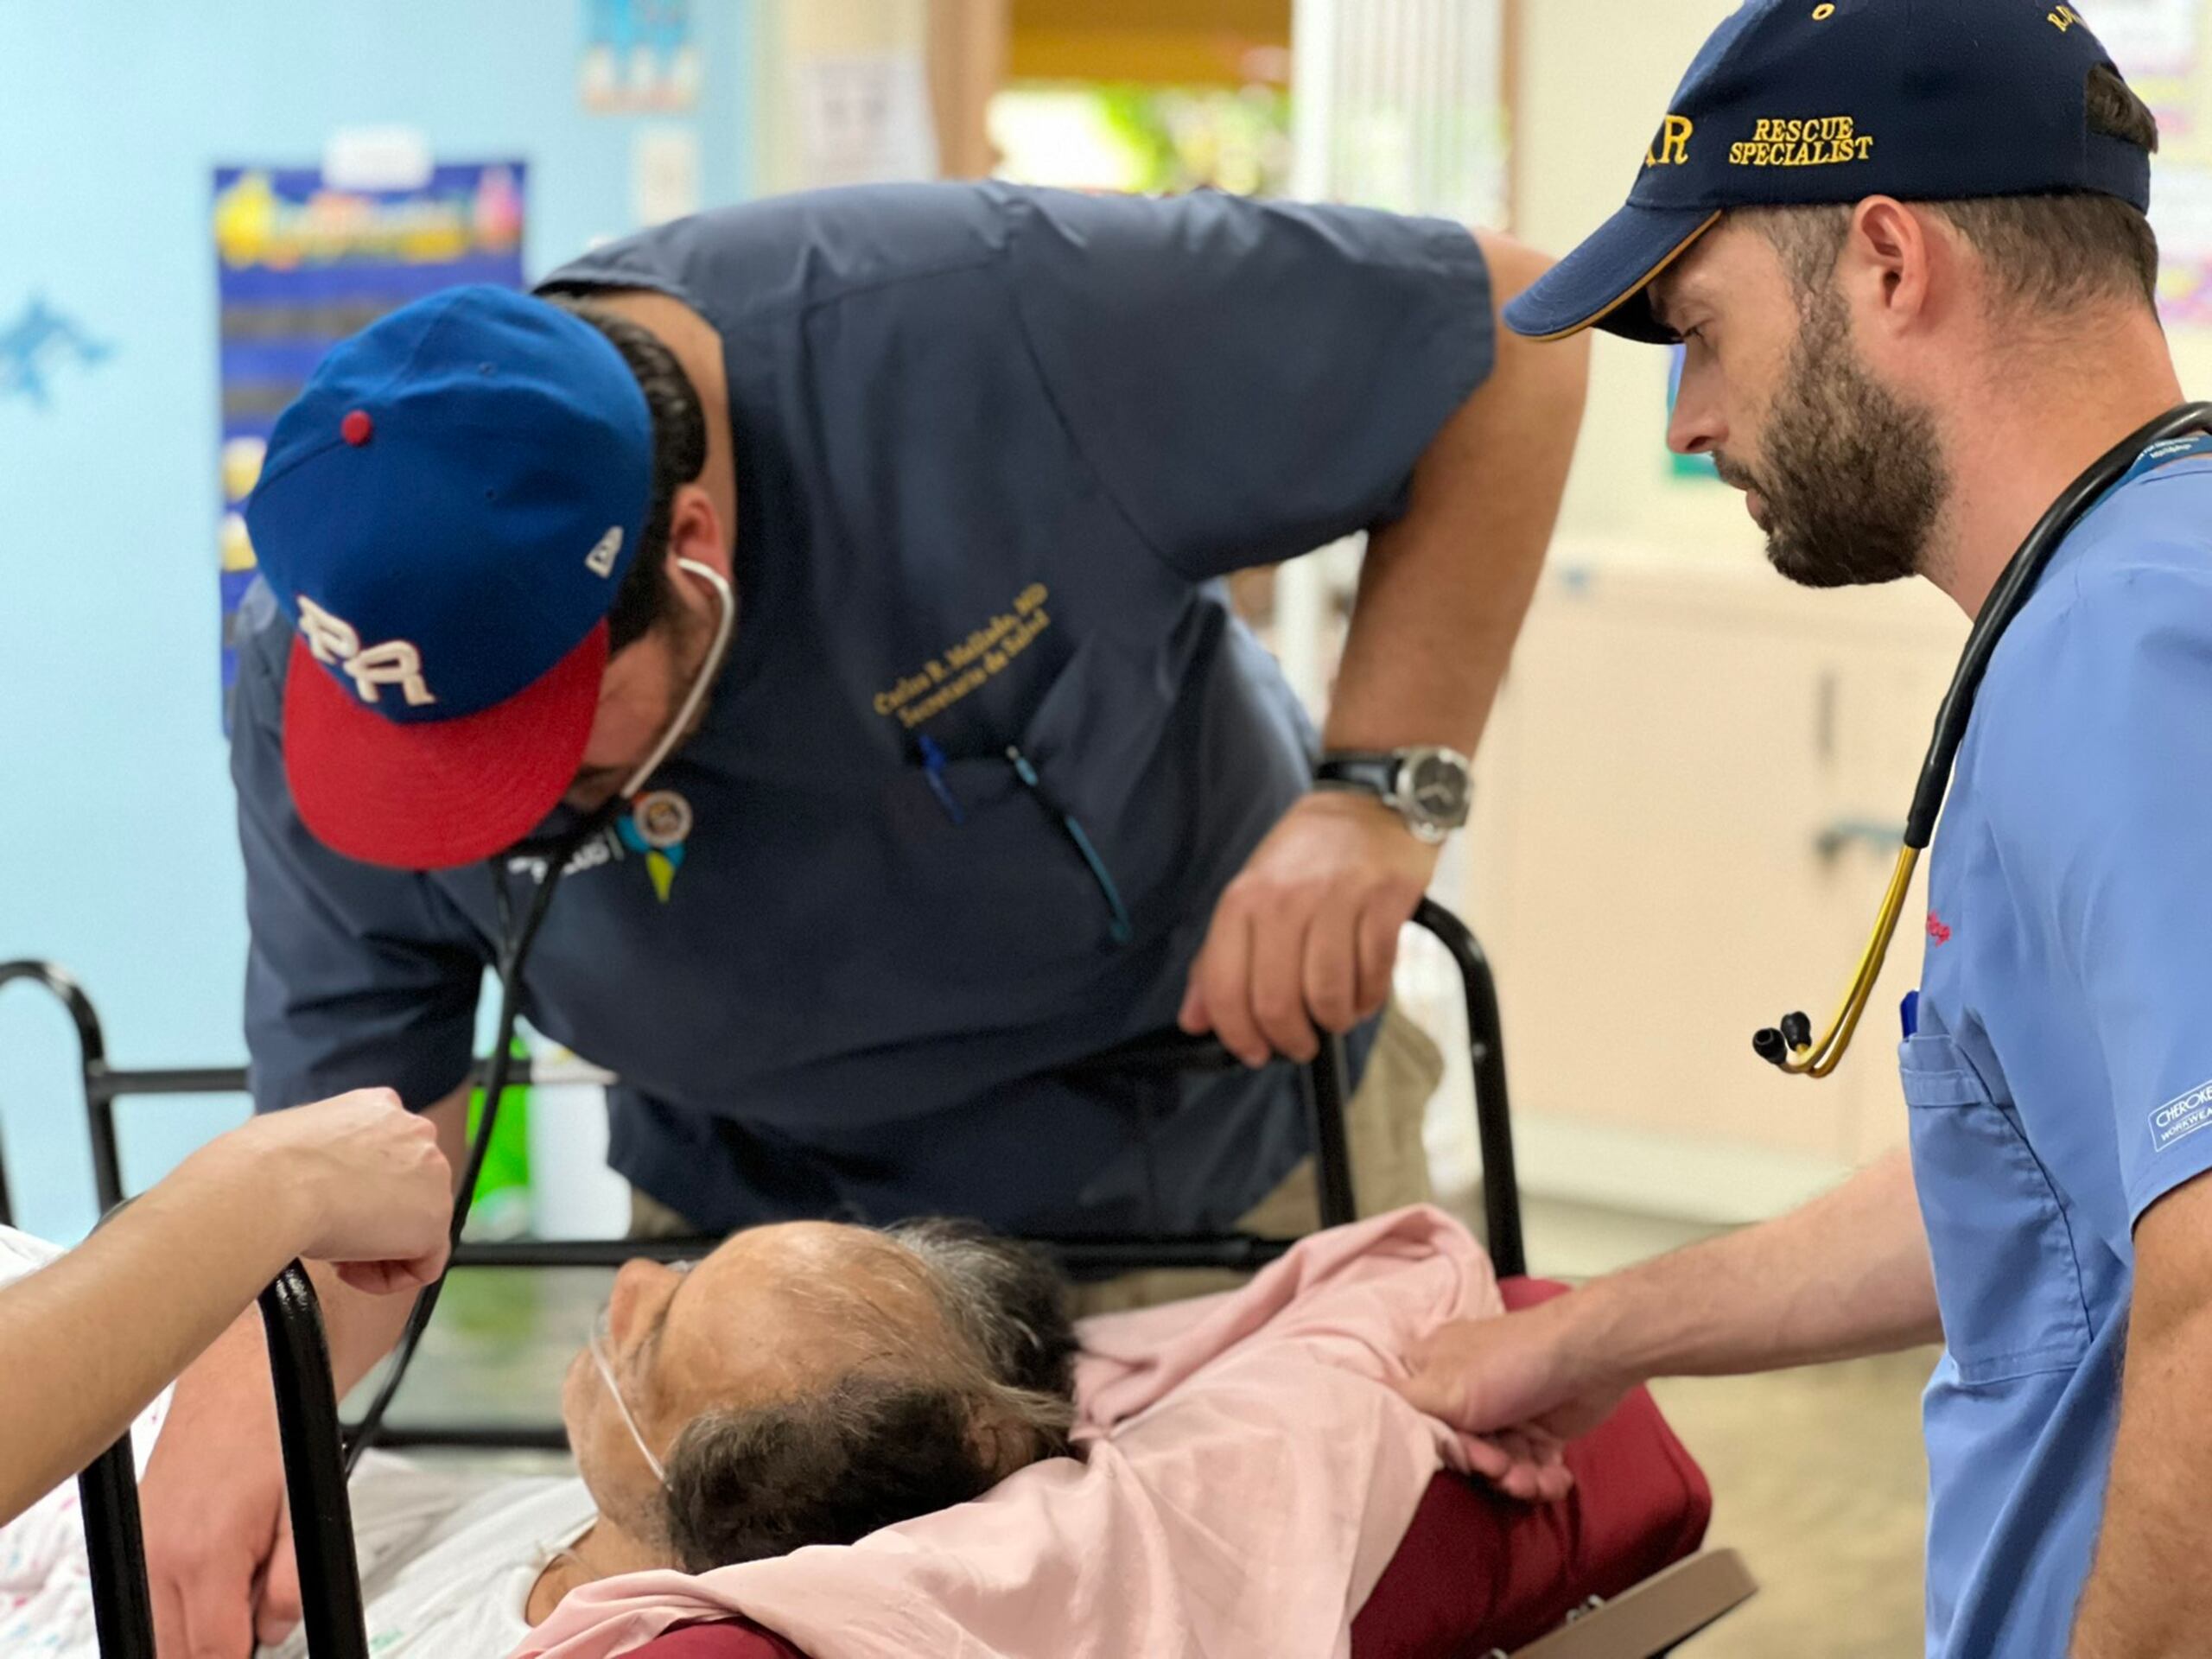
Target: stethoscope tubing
515, 947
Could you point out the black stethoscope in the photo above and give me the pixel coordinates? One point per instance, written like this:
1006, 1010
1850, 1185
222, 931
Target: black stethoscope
1789, 1046
515, 944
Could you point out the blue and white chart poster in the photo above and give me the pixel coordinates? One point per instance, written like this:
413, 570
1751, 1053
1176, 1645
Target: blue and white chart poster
302, 264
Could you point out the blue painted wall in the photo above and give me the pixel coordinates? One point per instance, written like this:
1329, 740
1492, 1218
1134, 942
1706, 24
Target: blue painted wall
117, 852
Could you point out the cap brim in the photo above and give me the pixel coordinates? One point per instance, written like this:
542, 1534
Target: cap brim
1601, 284
435, 794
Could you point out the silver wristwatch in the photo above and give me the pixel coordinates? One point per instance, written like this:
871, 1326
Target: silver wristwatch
1429, 787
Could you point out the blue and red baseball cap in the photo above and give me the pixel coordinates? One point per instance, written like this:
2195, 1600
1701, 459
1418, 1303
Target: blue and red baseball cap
1794, 102
445, 513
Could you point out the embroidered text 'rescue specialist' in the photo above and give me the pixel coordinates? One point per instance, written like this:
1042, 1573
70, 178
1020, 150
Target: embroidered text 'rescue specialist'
1823, 141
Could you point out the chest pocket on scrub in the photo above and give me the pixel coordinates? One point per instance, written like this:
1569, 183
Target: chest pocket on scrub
2006, 1273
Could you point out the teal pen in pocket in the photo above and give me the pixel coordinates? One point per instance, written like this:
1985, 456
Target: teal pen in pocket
1118, 913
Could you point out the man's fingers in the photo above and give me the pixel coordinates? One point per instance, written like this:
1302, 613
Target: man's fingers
1226, 970
169, 1635
1278, 981
213, 1615
1485, 1457
1377, 946
1193, 1016
1434, 1392
276, 1609
384, 1278
1332, 982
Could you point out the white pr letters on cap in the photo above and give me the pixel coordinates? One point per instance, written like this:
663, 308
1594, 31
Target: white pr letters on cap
330, 640
333, 639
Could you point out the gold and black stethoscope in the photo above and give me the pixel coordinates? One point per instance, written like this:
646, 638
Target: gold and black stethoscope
1791, 1046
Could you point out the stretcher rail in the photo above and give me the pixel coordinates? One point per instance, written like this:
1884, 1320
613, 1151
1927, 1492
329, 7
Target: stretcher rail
1159, 1053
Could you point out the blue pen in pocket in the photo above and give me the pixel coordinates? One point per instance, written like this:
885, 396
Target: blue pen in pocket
933, 770
1909, 1014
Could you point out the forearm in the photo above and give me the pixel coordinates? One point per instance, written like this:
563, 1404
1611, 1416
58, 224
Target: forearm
1846, 1275
92, 1337
2147, 1597
1444, 589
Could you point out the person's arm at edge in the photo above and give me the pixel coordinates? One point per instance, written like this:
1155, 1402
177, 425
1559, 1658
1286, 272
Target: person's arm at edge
99, 1332
1309, 931
1846, 1275
212, 1602
2145, 1593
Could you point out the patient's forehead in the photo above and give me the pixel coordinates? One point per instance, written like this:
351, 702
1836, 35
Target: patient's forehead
776, 1308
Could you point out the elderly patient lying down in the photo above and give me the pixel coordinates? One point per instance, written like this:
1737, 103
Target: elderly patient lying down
805, 1384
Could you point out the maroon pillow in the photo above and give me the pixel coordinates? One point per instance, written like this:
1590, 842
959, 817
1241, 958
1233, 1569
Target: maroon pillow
1475, 1571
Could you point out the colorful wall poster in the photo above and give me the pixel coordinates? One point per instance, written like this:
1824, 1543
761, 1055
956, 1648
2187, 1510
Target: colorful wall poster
301, 266
639, 57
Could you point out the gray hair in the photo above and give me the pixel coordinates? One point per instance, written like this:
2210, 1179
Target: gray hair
912, 1426
1006, 1303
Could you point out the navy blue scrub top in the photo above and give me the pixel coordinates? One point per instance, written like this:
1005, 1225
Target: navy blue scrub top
993, 447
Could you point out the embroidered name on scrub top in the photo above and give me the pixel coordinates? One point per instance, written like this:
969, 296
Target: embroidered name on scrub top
971, 664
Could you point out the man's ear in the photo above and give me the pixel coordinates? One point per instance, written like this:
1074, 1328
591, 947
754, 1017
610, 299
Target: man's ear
695, 530
1888, 267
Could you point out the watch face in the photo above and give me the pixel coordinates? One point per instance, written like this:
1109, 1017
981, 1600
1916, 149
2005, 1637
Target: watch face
1439, 788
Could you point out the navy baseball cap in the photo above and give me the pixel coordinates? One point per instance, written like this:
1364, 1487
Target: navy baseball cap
445, 513
1793, 102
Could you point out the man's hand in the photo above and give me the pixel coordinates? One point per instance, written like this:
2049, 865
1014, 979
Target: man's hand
369, 1189
219, 1548
1307, 934
1525, 1371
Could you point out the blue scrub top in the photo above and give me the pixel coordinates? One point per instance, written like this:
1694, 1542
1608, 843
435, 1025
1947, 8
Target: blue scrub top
2061, 1072
992, 448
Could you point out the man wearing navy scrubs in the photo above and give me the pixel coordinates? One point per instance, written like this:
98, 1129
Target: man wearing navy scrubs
1904, 246
990, 779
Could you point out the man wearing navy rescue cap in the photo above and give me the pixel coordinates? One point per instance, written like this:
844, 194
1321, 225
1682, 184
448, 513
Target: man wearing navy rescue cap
1904, 248
986, 779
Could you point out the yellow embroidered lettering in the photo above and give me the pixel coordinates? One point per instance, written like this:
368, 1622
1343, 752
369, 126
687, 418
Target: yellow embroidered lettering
970, 663
1672, 147
1806, 141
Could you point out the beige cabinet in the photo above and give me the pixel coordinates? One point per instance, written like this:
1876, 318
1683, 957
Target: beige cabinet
1689, 804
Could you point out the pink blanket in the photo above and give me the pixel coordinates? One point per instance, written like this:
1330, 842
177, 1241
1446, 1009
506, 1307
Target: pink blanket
1249, 1476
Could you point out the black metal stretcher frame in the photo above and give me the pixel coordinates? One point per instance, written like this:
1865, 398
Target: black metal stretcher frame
307, 1406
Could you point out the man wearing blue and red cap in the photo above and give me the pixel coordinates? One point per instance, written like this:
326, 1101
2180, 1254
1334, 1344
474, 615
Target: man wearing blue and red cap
1903, 246
927, 490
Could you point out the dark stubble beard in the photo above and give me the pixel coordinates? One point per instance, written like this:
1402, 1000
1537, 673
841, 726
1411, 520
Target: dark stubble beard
1853, 477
